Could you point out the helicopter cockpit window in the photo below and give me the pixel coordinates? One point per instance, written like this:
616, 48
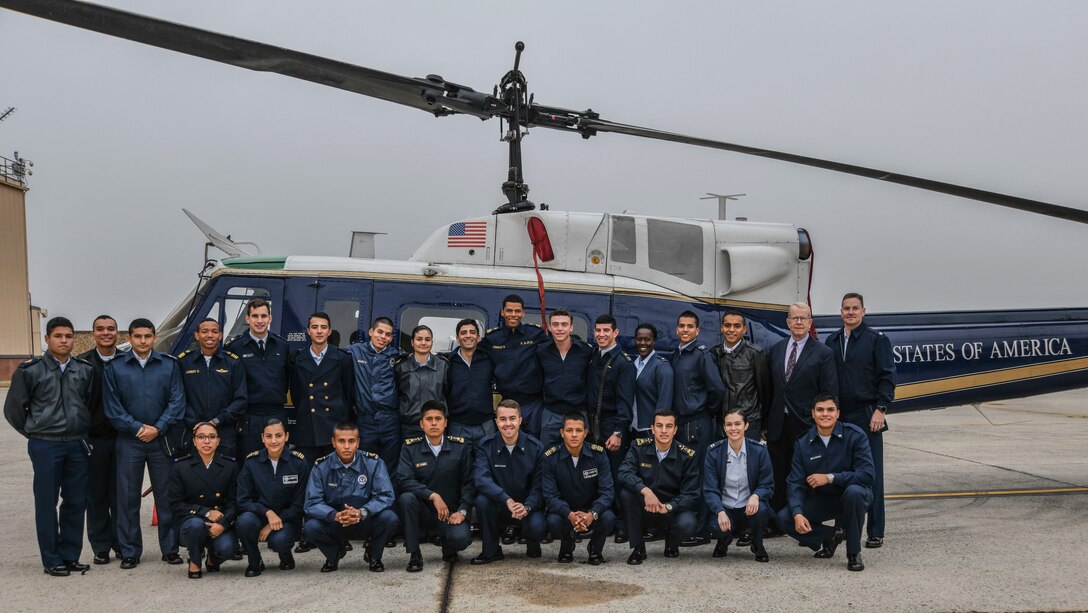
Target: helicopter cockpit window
234, 309
676, 249
623, 239
442, 321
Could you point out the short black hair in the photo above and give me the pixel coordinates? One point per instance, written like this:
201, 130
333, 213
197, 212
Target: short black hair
849, 295
257, 303
468, 321
647, 326
205, 423
734, 313
606, 319
513, 298
573, 416
345, 426
665, 413
433, 405
273, 421
508, 403
416, 330
319, 315
141, 322
824, 397
101, 317
206, 320
58, 322
688, 314
382, 320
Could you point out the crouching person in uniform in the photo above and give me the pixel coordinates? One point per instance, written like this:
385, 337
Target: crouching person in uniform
577, 484
738, 482
831, 478
434, 478
507, 476
348, 496
659, 482
271, 494
202, 489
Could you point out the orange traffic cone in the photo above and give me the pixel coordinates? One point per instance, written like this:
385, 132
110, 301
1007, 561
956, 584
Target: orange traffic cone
154, 515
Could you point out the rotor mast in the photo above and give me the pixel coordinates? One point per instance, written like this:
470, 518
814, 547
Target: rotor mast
514, 93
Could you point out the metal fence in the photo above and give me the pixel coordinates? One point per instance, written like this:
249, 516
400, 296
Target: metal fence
14, 170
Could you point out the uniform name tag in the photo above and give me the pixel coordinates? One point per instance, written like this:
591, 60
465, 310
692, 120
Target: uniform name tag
290, 479
500, 466
247, 355
421, 465
816, 457
589, 473
192, 372
333, 484
645, 465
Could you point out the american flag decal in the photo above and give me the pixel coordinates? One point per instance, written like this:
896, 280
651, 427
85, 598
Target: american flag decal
467, 234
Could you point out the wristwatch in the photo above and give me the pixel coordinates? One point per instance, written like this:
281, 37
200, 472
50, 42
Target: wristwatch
668, 507
363, 513
594, 515
830, 477
882, 409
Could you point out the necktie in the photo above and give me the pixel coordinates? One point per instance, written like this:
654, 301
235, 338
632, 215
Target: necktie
792, 361
260, 345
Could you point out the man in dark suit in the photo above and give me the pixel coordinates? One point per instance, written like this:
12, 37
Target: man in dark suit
323, 388
801, 368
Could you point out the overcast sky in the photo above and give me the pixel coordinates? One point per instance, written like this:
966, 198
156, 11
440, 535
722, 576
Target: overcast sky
987, 94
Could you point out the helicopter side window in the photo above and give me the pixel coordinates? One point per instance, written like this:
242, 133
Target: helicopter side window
345, 321
623, 239
676, 249
442, 321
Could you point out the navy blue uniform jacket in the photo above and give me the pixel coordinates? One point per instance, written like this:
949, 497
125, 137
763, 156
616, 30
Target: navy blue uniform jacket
517, 374
501, 475
673, 480
213, 391
846, 455
760, 473
268, 373
281, 490
697, 386
323, 395
586, 487
866, 374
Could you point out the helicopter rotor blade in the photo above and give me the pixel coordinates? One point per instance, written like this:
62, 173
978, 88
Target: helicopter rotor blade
431, 94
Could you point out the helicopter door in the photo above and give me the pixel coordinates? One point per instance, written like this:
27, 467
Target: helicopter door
348, 303
672, 253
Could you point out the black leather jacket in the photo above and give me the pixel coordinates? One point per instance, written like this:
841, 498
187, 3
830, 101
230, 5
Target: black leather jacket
747, 377
45, 403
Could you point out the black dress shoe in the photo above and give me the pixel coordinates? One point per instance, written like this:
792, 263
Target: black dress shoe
129, 563
391, 544
211, 565
695, 541
595, 559
672, 552
287, 561
102, 558
57, 571
237, 555
874, 542
745, 539
621, 535
330, 566
831, 543
532, 549
649, 536
415, 562
304, 546
854, 563
195, 574
510, 535
547, 540
348, 546
638, 554
761, 555
76, 567
376, 566
255, 571
565, 557
172, 558
482, 559
450, 556
721, 549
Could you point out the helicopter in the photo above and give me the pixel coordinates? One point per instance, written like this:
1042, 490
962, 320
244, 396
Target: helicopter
628, 265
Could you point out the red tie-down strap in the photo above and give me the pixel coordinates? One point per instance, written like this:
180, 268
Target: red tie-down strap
542, 249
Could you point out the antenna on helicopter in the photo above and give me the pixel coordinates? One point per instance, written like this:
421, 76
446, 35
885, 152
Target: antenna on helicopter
7, 113
513, 88
722, 200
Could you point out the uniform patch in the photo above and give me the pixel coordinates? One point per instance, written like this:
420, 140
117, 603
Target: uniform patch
221, 370
290, 479
816, 457
550, 451
247, 355
643, 441
596, 448
362, 480
458, 439
421, 465
589, 473
645, 465
192, 372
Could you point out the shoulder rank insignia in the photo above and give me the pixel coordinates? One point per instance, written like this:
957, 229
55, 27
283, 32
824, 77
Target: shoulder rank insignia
371, 455
643, 441
412, 441
550, 451
184, 457
685, 449
715, 444
258, 452
596, 448
456, 439
298, 454
701, 347
233, 355
663, 358
626, 357
182, 354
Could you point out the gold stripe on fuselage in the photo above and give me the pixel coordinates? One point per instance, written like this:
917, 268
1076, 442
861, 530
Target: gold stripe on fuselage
984, 379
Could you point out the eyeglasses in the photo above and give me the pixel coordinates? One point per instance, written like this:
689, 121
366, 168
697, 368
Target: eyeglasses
206, 437
798, 318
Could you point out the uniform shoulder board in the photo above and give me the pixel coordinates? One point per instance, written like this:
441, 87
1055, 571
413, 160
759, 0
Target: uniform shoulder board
166, 355
701, 347
183, 354
662, 358
550, 451
319, 460
643, 441
596, 448
456, 439
30, 362
396, 360
232, 355
298, 454
371, 455
258, 452
182, 458
685, 449
82, 360
715, 444
763, 442
533, 325
412, 441
626, 357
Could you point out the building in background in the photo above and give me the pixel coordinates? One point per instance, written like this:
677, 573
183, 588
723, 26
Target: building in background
19, 336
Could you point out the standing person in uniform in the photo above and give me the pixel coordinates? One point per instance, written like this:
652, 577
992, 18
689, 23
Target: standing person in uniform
468, 386
348, 496
512, 347
653, 382
866, 369
48, 404
746, 372
577, 485
697, 395
271, 494
659, 484
145, 402
434, 480
102, 474
564, 365
801, 369
376, 393
215, 386
610, 392
737, 483
202, 492
322, 387
265, 357
508, 482
421, 378
831, 478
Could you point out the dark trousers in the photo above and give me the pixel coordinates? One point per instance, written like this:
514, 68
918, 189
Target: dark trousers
754, 431
248, 527
253, 425
193, 536
875, 523
60, 475
698, 433
560, 528
132, 456
472, 433
781, 451
494, 516
739, 522
418, 515
379, 433
678, 524
531, 414
847, 509
610, 424
328, 535
102, 496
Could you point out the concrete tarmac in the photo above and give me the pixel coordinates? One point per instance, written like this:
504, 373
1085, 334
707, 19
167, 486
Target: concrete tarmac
985, 513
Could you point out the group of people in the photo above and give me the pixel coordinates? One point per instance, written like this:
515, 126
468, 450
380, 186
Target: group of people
699, 444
